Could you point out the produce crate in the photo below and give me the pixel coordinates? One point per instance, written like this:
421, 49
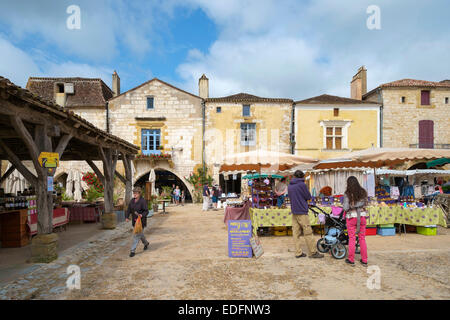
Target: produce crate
280, 231
386, 226
427, 231
371, 231
386, 231
411, 229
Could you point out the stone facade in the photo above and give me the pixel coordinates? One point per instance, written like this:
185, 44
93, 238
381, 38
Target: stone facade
401, 119
176, 113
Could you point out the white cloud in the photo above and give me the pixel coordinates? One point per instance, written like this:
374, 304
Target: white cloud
20, 65
298, 50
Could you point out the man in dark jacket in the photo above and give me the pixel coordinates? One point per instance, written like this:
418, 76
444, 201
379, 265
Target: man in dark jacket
299, 195
138, 207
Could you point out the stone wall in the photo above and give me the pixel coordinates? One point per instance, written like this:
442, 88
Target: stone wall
176, 113
401, 120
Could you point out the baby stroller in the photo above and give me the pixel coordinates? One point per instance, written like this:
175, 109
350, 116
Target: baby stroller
335, 236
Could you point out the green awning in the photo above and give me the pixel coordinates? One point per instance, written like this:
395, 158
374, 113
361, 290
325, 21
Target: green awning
257, 175
438, 162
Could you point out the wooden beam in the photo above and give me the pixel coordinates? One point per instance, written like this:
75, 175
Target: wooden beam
37, 117
18, 164
8, 173
27, 139
121, 177
97, 171
62, 144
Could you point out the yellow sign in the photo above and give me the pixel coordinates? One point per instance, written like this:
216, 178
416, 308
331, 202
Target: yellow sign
49, 159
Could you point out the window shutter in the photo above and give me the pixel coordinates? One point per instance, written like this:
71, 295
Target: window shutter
425, 97
426, 134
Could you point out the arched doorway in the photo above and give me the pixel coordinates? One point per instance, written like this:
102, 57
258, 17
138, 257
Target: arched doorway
165, 178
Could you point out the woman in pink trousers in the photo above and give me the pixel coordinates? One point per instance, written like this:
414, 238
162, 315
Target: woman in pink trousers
355, 201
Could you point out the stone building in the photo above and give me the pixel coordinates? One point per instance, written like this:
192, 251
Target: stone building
415, 113
86, 97
162, 120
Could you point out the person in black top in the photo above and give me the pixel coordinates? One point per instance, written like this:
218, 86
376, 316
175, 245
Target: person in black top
138, 207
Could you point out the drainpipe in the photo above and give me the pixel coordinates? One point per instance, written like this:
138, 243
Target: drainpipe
203, 134
107, 116
292, 135
380, 98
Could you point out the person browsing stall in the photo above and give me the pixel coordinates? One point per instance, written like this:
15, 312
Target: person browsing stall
355, 201
280, 191
138, 208
299, 195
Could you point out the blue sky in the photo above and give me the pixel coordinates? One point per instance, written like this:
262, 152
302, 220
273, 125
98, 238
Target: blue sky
286, 48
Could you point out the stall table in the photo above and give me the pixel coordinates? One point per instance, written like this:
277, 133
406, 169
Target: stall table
84, 214
377, 215
237, 213
60, 218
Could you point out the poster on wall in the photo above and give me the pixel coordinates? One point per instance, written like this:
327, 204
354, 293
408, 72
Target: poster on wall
239, 234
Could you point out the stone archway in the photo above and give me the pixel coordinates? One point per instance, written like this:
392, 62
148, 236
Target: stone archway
140, 175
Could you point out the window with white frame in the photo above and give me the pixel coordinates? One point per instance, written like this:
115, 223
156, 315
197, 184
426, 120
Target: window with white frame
333, 138
335, 134
248, 134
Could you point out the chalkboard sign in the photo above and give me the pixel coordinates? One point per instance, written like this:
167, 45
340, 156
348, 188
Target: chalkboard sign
239, 234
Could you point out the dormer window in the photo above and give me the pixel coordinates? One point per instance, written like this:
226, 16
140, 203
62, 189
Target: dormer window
60, 87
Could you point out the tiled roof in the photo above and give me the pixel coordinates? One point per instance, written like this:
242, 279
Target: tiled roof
245, 97
156, 79
411, 83
44, 105
329, 99
88, 92
416, 83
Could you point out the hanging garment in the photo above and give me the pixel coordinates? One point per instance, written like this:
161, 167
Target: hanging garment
395, 192
371, 185
417, 192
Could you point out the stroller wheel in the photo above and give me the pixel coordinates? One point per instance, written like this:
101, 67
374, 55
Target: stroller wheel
339, 251
321, 246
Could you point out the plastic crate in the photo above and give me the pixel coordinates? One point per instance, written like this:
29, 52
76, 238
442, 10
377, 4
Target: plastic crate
427, 231
371, 231
386, 226
280, 231
386, 231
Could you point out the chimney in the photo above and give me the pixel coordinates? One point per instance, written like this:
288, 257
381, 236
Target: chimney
203, 87
358, 86
115, 83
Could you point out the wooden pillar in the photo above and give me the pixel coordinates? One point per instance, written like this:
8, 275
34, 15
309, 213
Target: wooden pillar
109, 159
126, 159
44, 245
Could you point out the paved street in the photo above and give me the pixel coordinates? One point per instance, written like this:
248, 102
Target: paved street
187, 259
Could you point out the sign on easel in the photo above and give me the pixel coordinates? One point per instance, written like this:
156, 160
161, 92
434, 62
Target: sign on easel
239, 234
49, 159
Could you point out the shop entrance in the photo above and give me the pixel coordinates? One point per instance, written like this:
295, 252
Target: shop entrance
230, 183
164, 178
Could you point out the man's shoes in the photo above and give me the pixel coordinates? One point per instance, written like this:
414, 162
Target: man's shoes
316, 255
301, 256
132, 254
363, 263
146, 246
349, 262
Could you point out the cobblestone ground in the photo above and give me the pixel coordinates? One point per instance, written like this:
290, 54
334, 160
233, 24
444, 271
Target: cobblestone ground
187, 259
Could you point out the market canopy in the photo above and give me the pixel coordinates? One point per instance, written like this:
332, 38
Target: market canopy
380, 157
263, 160
438, 162
257, 176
